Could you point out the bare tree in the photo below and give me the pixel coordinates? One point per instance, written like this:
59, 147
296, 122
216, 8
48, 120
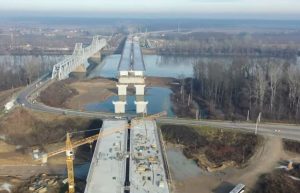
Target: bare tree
261, 84
33, 69
275, 72
294, 89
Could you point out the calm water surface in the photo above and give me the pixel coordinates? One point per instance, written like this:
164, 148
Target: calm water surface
158, 98
181, 167
163, 66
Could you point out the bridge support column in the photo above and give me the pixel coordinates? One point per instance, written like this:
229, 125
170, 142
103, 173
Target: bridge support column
81, 69
119, 106
139, 89
122, 89
79, 72
96, 57
141, 106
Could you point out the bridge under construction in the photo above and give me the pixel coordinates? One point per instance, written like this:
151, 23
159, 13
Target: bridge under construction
128, 160
131, 72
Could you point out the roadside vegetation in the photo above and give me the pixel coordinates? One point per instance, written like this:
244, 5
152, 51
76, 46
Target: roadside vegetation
291, 145
279, 181
212, 148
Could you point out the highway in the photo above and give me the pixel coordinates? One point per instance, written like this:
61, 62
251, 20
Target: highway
288, 131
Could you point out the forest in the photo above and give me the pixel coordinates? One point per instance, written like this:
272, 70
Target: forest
247, 86
260, 73
13, 75
267, 44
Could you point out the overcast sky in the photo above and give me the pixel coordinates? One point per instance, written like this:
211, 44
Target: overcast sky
188, 8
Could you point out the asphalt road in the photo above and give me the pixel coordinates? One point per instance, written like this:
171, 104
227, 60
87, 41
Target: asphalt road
288, 131
281, 130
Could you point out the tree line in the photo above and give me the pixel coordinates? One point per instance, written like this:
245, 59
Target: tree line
246, 87
224, 48
16, 75
217, 43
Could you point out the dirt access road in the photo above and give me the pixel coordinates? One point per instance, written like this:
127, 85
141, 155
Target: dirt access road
265, 160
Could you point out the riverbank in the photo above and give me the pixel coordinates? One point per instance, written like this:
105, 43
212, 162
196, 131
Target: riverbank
76, 94
256, 170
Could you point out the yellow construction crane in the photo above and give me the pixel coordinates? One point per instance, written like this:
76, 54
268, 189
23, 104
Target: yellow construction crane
89, 140
70, 167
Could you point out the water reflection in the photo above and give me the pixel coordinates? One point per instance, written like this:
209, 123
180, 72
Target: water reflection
163, 66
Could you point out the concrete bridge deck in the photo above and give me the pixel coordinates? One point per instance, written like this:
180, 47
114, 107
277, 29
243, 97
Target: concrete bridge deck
107, 170
147, 172
127, 160
132, 58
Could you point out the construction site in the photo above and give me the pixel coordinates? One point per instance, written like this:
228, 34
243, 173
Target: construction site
49, 136
128, 160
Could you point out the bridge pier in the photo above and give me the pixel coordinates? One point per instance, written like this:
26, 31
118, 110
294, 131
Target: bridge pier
122, 89
141, 104
119, 106
96, 57
139, 89
79, 72
131, 72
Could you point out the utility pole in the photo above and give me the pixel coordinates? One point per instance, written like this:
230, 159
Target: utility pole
248, 116
257, 122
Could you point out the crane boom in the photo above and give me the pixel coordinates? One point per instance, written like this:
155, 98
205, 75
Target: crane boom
93, 138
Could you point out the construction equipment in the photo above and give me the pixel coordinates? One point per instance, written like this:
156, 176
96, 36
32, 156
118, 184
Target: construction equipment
70, 167
89, 140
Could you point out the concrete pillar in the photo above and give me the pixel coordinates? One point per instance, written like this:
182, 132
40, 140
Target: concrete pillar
141, 106
122, 89
139, 89
97, 56
78, 73
80, 68
119, 106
